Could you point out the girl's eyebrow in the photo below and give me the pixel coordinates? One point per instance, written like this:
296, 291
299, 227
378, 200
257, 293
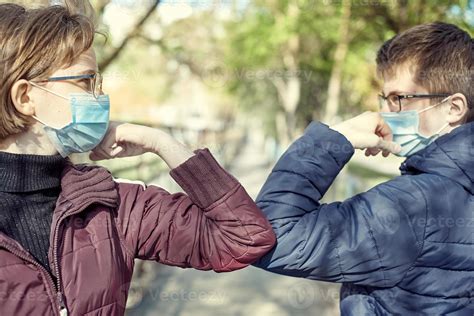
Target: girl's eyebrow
87, 72
79, 73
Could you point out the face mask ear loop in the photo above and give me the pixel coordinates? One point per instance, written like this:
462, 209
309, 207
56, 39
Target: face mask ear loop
442, 128
430, 107
47, 90
435, 105
36, 118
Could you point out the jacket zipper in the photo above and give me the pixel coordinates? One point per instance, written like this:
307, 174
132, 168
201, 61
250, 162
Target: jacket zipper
59, 294
62, 306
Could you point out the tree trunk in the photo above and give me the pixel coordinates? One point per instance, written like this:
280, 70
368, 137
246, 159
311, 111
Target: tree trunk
289, 91
335, 82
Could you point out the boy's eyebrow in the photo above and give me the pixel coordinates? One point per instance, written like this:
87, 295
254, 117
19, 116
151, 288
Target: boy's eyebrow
393, 92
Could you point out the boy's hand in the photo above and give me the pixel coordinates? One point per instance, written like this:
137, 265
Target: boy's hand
368, 131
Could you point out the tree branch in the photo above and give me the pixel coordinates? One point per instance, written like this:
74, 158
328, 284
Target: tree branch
135, 32
101, 6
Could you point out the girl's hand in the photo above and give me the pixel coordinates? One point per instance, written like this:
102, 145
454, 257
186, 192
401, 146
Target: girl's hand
368, 131
125, 140
128, 140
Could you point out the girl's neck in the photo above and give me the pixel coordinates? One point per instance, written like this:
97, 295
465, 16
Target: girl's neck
31, 142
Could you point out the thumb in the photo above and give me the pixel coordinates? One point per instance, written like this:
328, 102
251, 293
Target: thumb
389, 146
94, 157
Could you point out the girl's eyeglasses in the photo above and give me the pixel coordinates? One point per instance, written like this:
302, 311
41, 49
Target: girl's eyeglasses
94, 82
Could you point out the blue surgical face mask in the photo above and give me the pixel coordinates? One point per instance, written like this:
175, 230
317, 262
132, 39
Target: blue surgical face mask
405, 130
90, 122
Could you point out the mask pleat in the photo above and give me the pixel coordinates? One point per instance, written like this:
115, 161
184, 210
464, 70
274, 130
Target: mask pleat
405, 131
89, 125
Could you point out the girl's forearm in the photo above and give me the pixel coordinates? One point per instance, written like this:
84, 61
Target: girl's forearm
170, 150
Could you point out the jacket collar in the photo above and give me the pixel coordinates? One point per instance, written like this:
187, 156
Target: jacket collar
450, 156
83, 185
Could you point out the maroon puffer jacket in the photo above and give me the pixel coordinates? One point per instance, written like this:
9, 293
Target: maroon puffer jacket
101, 225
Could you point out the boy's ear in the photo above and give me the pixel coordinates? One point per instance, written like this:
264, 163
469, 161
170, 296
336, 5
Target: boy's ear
21, 98
458, 110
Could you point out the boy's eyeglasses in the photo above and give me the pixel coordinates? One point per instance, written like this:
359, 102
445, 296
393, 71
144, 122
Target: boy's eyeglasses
94, 84
394, 101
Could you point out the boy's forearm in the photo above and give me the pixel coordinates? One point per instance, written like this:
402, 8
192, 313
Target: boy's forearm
305, 172
319, 155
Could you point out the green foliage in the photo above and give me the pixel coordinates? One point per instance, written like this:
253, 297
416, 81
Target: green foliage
259, 39
248, 54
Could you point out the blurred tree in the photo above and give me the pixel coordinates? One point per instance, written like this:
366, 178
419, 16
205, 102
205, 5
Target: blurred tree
280, 49
87, 8
286, 61
340, 53
330, 45
135, 32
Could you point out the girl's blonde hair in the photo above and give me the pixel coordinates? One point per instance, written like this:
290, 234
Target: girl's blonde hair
34, 43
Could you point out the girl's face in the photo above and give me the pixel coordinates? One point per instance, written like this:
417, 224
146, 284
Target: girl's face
54, 110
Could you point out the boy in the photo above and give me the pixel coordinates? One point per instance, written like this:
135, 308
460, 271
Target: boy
405, 247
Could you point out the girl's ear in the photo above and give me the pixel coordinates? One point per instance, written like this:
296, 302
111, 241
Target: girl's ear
20, 95
458, 110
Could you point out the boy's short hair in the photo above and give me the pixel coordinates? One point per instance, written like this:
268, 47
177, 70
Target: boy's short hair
440, 57
34, 43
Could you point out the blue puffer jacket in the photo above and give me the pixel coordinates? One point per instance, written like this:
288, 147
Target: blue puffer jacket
406, 247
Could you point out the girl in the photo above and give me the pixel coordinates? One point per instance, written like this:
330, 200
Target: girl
69, 233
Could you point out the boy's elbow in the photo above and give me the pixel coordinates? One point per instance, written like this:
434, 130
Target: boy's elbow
262, 244
268, 241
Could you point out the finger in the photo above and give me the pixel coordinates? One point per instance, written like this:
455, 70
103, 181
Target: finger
109, 139
389, 146
384, 131
385, 153
108, 143
116, 151
375, 151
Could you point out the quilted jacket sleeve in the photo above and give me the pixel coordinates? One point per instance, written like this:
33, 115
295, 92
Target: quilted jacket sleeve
370, 239
216, 225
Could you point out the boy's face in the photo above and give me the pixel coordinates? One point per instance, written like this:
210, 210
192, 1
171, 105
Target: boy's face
402, 83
